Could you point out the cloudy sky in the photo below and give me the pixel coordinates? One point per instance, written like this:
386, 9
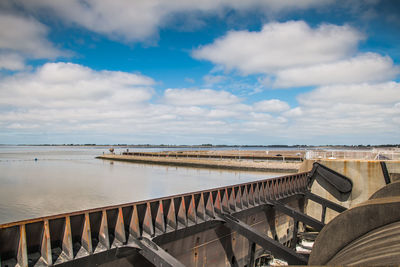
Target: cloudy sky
193, 72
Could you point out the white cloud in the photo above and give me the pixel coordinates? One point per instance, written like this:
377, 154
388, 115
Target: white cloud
382, 93
26, 36
70, 99
223, 113
292, 54
138, 20
22, 126
63, 99
354, 122
358, 113
294, 112
22, 38
272, 105
213, 79
67, 85
203, 97
369, 67
281, 45
11, 62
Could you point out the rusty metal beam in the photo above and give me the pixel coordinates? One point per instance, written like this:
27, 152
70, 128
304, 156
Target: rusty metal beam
252, 250
276, 248
310, 221
325, 202
385, 172
295, 232
155, 254
323, 214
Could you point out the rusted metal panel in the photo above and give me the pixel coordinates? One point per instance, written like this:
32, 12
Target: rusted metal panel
22, 253
67, 249
46, 245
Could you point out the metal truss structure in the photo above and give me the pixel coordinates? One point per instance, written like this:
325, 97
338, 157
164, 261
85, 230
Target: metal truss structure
230, 225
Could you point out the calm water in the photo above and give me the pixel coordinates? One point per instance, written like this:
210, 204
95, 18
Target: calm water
65, 179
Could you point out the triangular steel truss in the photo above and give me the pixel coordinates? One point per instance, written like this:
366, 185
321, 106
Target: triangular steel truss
118, 231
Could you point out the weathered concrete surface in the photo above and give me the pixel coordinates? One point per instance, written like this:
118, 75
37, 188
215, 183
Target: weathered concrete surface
245, 165
367, 178
394, 170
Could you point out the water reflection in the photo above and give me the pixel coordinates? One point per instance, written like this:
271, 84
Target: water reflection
70, 179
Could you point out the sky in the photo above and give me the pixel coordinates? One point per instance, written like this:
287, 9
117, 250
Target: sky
226, 72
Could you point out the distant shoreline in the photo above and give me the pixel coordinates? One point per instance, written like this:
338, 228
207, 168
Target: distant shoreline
213, 146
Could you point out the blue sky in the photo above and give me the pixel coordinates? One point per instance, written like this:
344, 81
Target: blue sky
193, 72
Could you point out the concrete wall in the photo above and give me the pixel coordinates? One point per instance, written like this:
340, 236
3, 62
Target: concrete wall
367, 177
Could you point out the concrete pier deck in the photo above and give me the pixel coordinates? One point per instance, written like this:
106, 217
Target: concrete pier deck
279, 155
226, 161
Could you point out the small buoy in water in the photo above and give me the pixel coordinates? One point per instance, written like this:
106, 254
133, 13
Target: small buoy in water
35, 159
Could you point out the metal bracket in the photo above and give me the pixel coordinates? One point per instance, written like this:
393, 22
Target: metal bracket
276, 248
335, 183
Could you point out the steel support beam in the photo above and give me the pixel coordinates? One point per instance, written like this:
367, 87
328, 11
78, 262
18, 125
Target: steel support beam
152, 252
252, 250
323, 214
385, 172
295, 232
276, 248
298, 216
325, 202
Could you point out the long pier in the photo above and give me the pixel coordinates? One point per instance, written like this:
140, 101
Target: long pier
245, 162
251, 155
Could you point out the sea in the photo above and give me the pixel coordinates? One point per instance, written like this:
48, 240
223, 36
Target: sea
38, 181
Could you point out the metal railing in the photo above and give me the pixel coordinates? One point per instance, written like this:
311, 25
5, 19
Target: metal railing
353, 154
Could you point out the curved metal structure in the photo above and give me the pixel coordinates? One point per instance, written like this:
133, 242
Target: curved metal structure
367, 234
